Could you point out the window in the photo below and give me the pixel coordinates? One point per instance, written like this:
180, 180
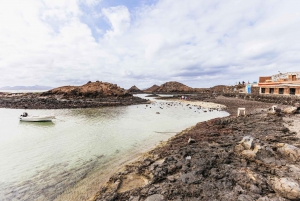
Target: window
292, 91
281, 90
263, 90
294, 78
271, 90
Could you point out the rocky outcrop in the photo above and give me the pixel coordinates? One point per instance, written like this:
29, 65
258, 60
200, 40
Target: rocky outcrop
134, 90
151, 89
173, 87
89, 90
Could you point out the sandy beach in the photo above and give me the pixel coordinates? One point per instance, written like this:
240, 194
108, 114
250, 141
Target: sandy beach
203, 104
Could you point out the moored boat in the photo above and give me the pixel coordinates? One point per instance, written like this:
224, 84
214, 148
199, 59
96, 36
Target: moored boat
35, 118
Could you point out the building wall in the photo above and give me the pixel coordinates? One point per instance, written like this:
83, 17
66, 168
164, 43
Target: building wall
264, 78
285, 76
276, 90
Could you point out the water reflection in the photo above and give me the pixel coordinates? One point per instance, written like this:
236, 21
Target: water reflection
37, 124
106, 113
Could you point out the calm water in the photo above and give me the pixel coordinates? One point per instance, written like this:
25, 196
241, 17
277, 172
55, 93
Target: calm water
39, 161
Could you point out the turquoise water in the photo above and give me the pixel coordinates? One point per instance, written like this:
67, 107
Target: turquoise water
39, 161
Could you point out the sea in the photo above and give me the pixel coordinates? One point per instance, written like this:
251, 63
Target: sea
71, 157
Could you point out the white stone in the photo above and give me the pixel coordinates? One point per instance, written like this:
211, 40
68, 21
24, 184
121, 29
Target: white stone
247, 142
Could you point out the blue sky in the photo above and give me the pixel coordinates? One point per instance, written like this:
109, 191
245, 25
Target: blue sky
196, 42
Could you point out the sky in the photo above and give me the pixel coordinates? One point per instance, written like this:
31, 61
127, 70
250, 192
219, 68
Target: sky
200, 43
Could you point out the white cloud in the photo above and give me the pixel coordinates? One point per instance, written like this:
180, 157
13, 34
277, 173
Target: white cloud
91, 2
197, 42
119, 18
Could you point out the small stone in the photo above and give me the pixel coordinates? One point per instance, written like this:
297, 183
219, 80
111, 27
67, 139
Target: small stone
155, 197
244, 197
190, 141
255, 189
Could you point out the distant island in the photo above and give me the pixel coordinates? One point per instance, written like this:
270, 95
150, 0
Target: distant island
89, 95
35, 87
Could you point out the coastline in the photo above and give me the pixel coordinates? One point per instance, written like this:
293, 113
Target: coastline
97, 178
36, 101
178, 170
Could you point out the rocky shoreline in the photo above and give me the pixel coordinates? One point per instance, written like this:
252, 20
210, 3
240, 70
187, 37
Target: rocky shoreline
252, 157
37, 101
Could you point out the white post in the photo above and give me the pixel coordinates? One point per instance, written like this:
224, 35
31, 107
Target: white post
241, 109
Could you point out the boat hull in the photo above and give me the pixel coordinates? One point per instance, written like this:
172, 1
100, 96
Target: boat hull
37, 118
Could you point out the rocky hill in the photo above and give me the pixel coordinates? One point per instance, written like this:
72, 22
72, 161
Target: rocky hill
134, 90
151, 89
89, 90
173, 87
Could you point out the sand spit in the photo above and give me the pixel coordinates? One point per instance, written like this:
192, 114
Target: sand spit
252, 157
203, 104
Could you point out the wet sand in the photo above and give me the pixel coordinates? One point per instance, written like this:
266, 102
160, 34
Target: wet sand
252, 157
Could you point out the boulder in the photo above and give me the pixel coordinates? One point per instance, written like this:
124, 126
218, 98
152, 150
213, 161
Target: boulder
286, 187
247, 142
290, 110
155, 197
265, 198
251, 153
289, 151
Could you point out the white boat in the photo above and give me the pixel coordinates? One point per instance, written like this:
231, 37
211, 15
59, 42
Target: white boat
35, 118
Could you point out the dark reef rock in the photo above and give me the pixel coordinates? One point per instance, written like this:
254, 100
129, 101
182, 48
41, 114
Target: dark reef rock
90, 95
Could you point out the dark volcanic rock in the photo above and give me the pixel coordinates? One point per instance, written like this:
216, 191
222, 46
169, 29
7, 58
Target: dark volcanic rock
134, 90
89, 90
151, 89
173, 87
90, 95
234, 158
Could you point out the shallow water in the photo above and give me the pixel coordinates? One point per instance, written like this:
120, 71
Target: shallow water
39, 161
